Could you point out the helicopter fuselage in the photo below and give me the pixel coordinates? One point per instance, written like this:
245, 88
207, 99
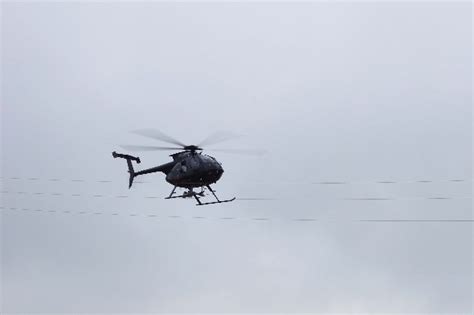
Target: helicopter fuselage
193, 169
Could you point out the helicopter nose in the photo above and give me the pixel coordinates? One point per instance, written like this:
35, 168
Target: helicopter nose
218, 171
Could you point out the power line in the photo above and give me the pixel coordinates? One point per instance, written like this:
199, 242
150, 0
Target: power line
224, 218
75, 194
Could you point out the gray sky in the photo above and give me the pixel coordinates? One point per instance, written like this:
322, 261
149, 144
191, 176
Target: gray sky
349, 92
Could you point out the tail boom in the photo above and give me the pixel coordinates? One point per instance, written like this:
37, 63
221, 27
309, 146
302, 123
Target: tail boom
165, 168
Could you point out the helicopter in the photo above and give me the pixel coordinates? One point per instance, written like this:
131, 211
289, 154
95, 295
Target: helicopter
189, 169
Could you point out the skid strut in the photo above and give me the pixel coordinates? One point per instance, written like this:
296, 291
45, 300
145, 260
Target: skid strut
171, 194
186, 194
197, 195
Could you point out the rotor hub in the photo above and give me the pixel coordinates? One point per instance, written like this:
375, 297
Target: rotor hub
192, 148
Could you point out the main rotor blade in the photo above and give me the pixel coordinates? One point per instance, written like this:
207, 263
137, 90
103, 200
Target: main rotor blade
218, 136
158, 135
148, 148
256, 152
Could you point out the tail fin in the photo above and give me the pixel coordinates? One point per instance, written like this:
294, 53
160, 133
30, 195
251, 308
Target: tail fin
129, 159
132, 173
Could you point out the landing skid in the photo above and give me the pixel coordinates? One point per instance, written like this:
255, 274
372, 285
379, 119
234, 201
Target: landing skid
198, 195
212, 202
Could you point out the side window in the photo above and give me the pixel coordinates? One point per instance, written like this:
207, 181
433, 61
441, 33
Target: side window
184, 168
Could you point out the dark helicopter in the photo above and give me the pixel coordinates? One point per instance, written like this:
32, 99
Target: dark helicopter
189, 169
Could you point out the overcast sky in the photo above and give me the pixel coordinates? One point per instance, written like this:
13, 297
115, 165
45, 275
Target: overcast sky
355, 93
